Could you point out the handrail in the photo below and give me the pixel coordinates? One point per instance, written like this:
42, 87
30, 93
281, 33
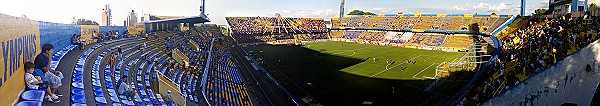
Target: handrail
205, 74
469, 86
497, 91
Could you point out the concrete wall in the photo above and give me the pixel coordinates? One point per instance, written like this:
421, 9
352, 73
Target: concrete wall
59, 35
20, 42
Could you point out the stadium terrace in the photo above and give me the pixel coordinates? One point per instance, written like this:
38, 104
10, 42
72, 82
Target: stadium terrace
550, 57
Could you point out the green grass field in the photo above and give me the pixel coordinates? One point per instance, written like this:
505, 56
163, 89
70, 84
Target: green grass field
426, 60
339, 73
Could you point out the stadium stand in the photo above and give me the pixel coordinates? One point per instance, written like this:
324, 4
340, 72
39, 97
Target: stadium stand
146, 58
531, 46
452, 22
352, 34
337, 33
458, 42
397, 23
425, 22
262, 25
270, 29
370, 29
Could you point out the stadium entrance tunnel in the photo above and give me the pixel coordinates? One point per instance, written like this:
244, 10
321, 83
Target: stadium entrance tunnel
314, 77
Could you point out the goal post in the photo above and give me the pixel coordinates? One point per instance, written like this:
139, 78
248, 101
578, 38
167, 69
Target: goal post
467, 62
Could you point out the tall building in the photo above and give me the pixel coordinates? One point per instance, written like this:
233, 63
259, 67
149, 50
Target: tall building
106, 16
131, 19
522, 13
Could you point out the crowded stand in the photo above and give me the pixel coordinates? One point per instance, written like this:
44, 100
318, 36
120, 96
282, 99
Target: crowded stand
422, 22
532, 45
418, 23
267, 29
262, 25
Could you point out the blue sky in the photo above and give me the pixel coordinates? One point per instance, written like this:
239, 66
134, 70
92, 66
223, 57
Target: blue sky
62, 11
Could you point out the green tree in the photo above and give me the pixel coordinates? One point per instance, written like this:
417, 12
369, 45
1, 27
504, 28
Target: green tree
593, 7
540, 11
82, 21
358, 12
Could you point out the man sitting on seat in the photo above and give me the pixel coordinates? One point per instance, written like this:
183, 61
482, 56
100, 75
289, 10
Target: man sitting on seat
125, 89
42, 62
76, 40
34, 83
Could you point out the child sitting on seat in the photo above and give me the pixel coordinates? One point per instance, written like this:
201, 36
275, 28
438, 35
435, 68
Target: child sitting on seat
34, 83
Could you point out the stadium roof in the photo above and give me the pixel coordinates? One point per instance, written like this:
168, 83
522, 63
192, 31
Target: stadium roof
194, 19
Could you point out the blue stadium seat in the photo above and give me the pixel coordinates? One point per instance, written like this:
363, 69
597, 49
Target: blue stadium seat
114, 99
77, 79
99, 93
78, 104
100, 100
78, 98
128, 103
77, 85
29, 103
110, 85
147, 101
97, 89
112, 92
33, 95
139, 78
96, 82
77, 91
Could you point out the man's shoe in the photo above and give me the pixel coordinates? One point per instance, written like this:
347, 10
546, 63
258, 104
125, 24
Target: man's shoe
56, 101
50, 99
54, 96
58, 94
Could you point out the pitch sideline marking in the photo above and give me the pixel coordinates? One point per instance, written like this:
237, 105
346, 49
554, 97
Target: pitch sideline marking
414, 76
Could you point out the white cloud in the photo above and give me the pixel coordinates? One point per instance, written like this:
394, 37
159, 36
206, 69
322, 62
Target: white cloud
540, 5
322, 13
501, 8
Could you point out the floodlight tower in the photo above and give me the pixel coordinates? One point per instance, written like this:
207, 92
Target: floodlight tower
202, 6
342, 9
523, 7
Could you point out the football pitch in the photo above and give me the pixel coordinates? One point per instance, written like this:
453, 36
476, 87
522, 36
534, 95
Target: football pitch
340, 73
406, 63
